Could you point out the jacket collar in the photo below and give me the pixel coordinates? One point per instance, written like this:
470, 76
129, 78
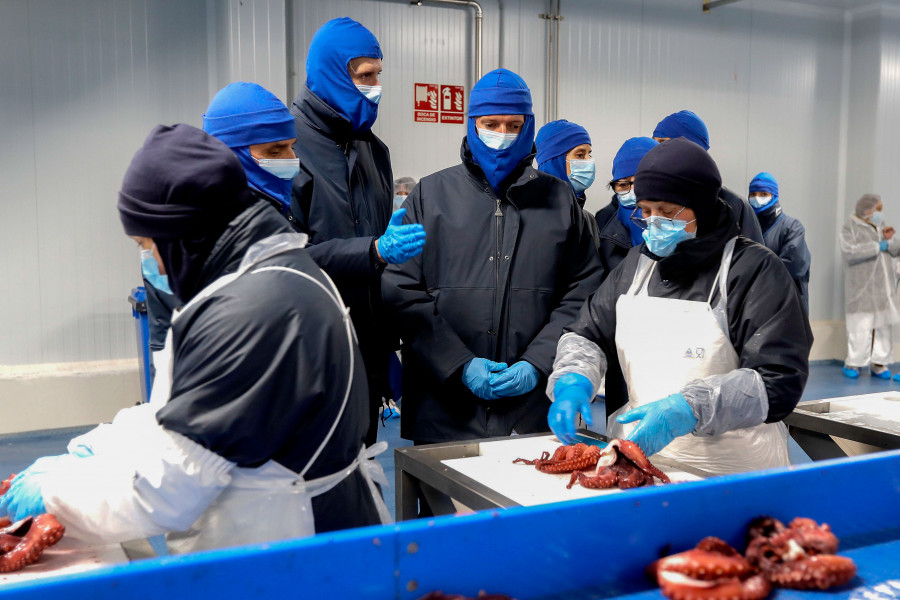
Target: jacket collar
521, 175
614, 230
323, 118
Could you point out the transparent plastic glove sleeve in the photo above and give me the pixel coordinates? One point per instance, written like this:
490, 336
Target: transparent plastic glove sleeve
722, 403
577, 354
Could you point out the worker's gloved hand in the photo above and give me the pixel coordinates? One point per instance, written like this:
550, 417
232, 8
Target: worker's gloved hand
572, 394
883, 244
661, 422
517, 380
400, 242
477, 376
24, 497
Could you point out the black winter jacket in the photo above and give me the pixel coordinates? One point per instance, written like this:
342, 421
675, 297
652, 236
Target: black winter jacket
499, 278
766, 321
343, 198
260, 371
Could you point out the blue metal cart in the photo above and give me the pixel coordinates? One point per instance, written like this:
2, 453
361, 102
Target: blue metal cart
593, 548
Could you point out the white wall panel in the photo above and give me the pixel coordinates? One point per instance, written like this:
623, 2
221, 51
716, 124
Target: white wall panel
83, 83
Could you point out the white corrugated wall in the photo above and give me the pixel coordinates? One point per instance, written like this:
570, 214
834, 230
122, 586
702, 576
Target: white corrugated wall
807, 93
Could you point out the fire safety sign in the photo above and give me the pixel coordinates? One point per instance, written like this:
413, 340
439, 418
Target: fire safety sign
439, 103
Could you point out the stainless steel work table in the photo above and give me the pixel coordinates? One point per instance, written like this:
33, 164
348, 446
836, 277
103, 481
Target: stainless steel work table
838, 427
422, 469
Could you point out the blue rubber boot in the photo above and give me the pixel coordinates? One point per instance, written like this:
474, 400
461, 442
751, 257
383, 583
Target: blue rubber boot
851, 373
897, 377
884, 373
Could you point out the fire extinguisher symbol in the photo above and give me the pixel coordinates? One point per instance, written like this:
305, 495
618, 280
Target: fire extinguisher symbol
447, 99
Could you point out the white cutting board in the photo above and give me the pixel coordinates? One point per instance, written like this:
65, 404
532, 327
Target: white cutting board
524, 484
67, 557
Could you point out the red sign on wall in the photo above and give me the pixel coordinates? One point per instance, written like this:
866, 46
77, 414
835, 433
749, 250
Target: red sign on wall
426, 102
439, 103
452, 103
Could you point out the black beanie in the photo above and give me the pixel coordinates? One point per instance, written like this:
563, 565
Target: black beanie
182, 183
682, 172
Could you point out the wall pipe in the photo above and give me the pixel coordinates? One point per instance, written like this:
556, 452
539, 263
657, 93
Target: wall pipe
553, 17
479, 16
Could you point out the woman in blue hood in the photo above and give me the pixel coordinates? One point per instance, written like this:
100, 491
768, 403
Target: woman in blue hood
564, 151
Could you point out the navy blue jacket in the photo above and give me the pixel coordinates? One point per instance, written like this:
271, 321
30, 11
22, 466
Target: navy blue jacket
498, 278
343, 199
785, 236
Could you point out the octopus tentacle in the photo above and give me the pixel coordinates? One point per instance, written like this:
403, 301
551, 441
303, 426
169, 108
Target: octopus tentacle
713, 570
633, 452
566, 459
816, 572
44, 531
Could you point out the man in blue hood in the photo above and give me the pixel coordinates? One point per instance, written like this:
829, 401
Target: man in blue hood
688, 125
564, 151
344, 196
783, 234
508, 263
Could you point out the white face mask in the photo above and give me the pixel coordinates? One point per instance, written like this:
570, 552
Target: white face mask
284, 168
495, 140
372, 92
876, 218
760, 201
628, 200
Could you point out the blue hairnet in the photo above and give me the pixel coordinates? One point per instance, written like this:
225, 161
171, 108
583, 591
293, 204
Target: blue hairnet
764, 182
500, 92
334, 45
243, 114
629, 156
683, 124
558, 138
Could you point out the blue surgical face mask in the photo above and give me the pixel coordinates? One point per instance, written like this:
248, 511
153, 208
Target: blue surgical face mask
628, 200
662, 235
150, 270
582, 174
283, 168
372, 92
495, 140
876, 218
760, 201
398, 201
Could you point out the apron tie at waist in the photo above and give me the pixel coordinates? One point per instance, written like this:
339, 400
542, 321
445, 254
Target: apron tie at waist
373, 473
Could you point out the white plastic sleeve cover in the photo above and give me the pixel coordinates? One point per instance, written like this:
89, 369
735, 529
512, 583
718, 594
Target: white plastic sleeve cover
146, 483
577, 354
722, 403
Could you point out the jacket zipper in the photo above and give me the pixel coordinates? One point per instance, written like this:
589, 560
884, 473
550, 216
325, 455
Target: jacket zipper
498, 214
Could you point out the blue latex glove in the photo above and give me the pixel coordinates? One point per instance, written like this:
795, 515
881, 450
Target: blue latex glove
517, 380
477, 376
400, 242
883, 244
24, 497
572, 395
661, 422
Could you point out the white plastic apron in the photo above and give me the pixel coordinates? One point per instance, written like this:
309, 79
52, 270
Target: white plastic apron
270, 502
665, 343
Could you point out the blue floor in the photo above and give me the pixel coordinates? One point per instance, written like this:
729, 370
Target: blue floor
17, 451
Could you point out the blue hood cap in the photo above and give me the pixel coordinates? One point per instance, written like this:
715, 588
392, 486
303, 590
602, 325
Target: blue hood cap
500, 92
243, 114
684, 124
558, 138
765, 182
334, 45
629, 156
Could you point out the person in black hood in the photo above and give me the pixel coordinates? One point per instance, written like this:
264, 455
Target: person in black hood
509, 260
258, 434
708, 326
343, 196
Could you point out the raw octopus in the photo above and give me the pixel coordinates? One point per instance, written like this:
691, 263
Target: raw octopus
800, 556
622, 464
711, 571
566, 459
22, 543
